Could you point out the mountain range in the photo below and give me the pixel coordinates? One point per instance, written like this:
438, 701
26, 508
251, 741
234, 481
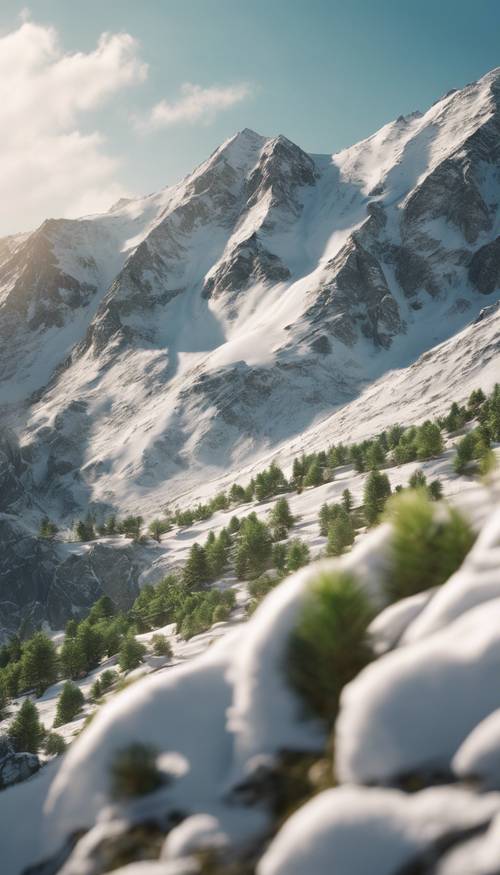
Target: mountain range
271, 299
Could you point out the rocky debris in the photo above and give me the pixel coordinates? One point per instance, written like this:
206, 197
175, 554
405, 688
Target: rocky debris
15, 767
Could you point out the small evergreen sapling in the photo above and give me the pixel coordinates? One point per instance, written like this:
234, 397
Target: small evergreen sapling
330, 642
428, 544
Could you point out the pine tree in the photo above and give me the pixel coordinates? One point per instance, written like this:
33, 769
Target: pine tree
85, 530
377, 490
394, 436
69, 704
281, 515
314, 475
4, 698
347, 501
298, 555
435, 490
26, 731
254, 548
161, 646
429, 442
155, 529
73, 660
102, 609
374, 455
236, 494
357, 459
279, 555
464, 454
92, 643
456, 418
196, 572
324, 519
131, 653
216, 554
417, 480
38, 664
71, 628
48, 529
234, 525
340, 534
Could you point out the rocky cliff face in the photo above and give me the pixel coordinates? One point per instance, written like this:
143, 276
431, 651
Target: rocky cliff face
50, 582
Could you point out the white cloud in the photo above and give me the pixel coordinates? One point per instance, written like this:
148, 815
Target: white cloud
195, 104
48, 166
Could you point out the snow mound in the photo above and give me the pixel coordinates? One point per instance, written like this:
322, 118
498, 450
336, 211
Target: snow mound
479, 756
199, 831
477, 581
388, 627
411, 709
359, 831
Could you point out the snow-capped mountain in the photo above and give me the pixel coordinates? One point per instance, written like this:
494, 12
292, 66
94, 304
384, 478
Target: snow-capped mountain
180, 336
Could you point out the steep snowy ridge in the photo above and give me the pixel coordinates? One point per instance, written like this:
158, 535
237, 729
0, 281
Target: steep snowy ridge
187, 334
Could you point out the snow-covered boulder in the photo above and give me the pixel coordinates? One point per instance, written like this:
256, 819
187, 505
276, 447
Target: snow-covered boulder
477, 856
478, 758
361, 831
410, 710
15, 767
388, 627
202, 831
477, 581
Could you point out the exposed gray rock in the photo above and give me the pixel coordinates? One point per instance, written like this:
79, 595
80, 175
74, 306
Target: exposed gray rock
46, 581
248, 262
484, 268
356, 299
15, 767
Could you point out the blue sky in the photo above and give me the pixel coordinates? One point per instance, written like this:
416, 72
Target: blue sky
324, 72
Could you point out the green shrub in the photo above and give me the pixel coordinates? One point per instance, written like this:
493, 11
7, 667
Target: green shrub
298, 555
96, 690
131, 653
221, 614
107, 679
69, 704
330, 643
428, 544
54, 744
435, 489
418, 480
161, 645
134, 772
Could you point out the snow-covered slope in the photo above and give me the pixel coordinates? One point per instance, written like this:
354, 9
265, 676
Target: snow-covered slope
188, 333
424, 713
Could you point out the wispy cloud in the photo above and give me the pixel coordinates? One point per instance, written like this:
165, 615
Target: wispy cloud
48, 165
195, 104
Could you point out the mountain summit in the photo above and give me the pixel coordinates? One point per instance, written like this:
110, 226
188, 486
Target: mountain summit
180, 335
